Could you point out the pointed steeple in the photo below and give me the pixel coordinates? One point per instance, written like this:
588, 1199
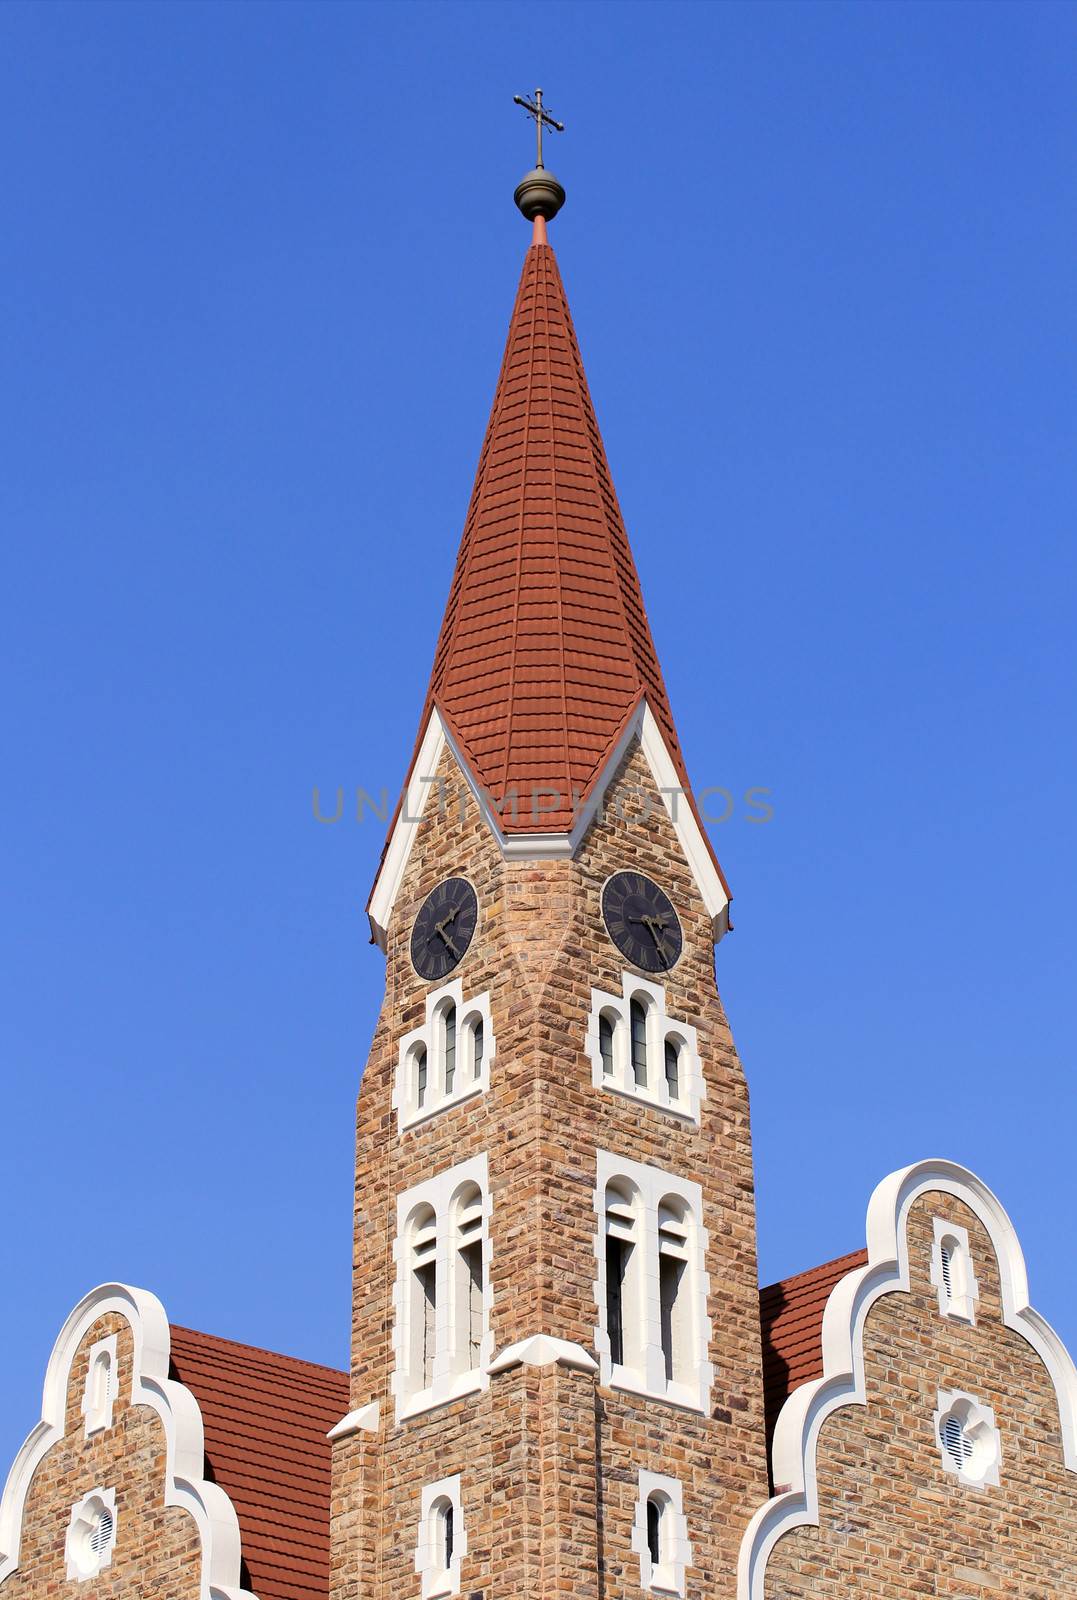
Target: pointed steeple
545, 650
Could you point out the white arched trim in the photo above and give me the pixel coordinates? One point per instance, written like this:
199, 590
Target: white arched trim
184, 1486
796, 1437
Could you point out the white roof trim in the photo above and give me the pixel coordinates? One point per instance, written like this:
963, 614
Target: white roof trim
543, 1350
363, 1420
796, 1436
178, 1410
547, 846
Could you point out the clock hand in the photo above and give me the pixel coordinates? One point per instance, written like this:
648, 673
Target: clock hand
446, 941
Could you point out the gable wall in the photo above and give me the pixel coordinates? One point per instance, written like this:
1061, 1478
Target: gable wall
893, 1524
158, 1551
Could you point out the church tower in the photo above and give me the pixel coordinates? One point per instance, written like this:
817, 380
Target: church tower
556, 1372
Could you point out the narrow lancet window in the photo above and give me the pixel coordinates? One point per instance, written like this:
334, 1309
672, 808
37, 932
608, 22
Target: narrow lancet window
637, 1013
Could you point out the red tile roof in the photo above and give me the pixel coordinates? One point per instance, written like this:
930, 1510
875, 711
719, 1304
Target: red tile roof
266, 1418
545, 649
792, 1317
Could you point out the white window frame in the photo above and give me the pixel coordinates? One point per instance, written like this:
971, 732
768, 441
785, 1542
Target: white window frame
430, 1036
977, 1420
660, 1026
645, 1373
669, 1576
449, 1379
82, 1561
97, 1407
960, 1300
437, 1580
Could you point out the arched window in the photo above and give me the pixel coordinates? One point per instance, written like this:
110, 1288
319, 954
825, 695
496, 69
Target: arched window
675, 1320
673, 1069
443, 1533
655, 1506
660, 1535
442, 1540
101, 1385
101, 1382
637, 1017
949, 1268
952, 1273
448, 1058
653, 1334
637, 1049
623, 1321
441, 1335
477, 1038
423, 1293
448, 1046
469, 1279
605, 1043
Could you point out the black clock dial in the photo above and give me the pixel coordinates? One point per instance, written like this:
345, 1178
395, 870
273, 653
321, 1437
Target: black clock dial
444, 928
641, 921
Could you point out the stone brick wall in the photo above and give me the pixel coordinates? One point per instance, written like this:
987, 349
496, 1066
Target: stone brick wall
549, 1459
157, 1555
893, 1524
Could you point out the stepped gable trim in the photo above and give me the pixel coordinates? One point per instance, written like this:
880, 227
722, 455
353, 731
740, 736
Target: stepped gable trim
886, 1271
185, 1485
640, 724
791, 1319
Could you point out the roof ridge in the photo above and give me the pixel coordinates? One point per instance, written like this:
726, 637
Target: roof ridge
259, 1350
811, 1272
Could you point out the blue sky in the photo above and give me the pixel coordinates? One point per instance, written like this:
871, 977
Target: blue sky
257, 267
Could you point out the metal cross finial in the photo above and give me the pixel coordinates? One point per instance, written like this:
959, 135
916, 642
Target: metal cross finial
534, 108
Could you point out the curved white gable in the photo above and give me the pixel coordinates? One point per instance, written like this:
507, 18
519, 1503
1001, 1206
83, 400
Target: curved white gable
796, 1436
178, 1410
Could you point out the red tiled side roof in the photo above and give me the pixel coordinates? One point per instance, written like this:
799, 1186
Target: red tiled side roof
266, 1418
545, 649
792, 1317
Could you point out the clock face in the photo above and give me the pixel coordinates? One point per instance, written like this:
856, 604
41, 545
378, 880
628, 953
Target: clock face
444, 928
641, 921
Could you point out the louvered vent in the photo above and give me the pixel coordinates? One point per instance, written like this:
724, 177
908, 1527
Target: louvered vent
956, 1442
101, 1533
947, 1268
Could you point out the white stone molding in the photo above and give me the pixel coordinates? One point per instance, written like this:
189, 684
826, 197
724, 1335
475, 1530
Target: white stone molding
431, 1038
184, 1483
438, 1577
952, 1274
91, 1535
796, 1436
543, 1350
675, 1550
660, 1028
102, 1385
968, 1440
364, 1419
438, 1198
639, 725
643, 1370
